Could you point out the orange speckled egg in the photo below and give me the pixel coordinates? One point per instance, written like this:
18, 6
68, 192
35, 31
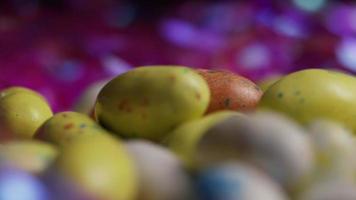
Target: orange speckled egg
230, 91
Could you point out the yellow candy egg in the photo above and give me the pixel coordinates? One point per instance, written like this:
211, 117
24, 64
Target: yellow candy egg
312, 94
64, 127
150, 101
22, 111
99, 166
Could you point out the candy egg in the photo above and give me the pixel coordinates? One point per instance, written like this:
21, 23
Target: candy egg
65, 127
335, 151
22, 111
235, 180
269, 140
18, 185
183, 140
311, 94
86, 102
230, 91
17, 89
100, 166
149, 102
31, 156
157, 168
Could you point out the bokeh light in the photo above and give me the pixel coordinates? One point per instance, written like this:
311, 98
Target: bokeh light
345, 52
18, 185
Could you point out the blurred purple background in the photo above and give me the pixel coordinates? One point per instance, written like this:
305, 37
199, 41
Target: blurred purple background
58, 47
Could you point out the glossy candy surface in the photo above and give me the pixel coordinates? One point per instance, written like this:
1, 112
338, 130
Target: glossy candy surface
230, 91
100, 166
22, 111
148, 102
65, 127
312, 94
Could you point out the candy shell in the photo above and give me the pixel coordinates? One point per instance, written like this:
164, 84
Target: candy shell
157, 167
312, 94
99, 166
65, 127
22, 112
230, 91
236, 180
149, 102
269, 140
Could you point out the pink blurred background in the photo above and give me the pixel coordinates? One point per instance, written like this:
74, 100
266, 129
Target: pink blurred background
59, 47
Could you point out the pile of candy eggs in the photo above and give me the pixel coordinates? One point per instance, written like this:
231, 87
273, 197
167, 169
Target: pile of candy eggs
174, 133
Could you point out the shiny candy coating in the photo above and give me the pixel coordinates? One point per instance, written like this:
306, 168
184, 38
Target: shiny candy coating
99, 166
311, 94
230, 91
64, 127
22, 111
148, 102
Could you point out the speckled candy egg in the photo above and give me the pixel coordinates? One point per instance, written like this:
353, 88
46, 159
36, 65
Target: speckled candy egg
314, 93
65, 127
149, 102
184, 139
161, 174
22, 111
230, 91
31, 156
237, 181
99, 166
269, 140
